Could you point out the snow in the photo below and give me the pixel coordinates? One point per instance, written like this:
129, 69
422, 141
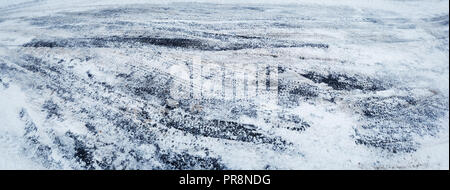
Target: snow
85, 84
11, 156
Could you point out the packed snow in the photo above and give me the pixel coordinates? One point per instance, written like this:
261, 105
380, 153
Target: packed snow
224, 84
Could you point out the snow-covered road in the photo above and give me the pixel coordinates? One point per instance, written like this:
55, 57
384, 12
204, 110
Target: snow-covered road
214, 85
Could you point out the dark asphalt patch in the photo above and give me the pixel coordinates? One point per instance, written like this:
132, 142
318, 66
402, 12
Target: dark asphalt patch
186, 43
345, 82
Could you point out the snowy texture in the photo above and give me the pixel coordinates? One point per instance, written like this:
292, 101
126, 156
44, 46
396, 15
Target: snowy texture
121, 84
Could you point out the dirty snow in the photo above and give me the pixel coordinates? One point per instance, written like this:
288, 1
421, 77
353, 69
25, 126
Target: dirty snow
224, 84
